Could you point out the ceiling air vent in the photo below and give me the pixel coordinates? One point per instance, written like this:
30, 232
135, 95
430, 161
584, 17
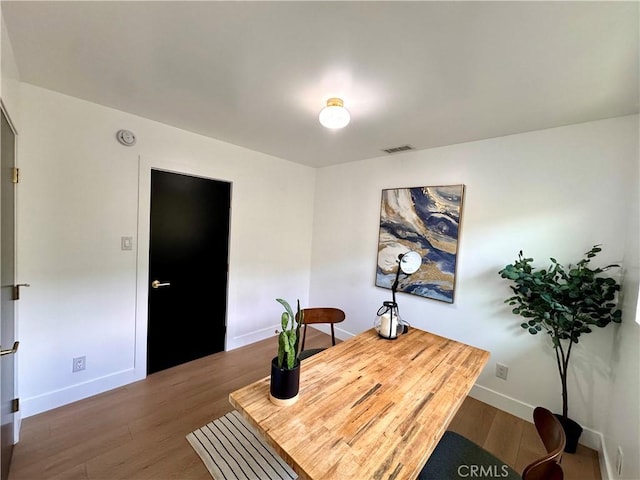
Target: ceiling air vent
403, 148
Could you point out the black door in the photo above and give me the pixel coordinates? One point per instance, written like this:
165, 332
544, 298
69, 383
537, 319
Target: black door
189, 244
7, 279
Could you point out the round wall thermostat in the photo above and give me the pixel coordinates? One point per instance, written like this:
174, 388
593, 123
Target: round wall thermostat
127, 138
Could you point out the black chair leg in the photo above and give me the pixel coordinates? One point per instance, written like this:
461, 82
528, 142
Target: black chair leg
304, 335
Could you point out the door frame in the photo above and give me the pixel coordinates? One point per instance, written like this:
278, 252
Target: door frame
17, 419
142, 248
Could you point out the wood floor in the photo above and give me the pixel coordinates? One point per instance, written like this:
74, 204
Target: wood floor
138, 431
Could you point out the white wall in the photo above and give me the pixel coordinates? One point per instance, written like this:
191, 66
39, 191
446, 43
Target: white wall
82, 191
554, 193
622, 427
9, 80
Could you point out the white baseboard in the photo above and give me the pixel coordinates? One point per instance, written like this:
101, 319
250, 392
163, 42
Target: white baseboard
17, 427
608, 462
252, 337
342, 334
57, 398
502, 402
589, 438
257, 335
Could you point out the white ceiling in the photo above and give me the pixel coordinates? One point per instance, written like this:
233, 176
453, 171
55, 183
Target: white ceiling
256, 74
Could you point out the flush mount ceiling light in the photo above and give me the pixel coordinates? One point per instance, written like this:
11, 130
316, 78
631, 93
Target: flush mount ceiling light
334, 115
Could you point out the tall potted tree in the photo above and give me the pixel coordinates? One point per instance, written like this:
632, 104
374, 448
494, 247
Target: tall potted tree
563, 302
285, 368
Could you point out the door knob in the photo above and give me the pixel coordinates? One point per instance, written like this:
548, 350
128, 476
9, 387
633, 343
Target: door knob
157, 284
16, 290
11, 350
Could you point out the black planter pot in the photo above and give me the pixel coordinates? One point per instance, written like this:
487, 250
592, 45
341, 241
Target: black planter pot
285, 384
572, 430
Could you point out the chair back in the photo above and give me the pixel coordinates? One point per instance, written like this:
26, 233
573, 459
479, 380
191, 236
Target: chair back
552, 435
321, 315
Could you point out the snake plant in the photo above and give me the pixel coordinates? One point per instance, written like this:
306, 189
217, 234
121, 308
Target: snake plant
289, 336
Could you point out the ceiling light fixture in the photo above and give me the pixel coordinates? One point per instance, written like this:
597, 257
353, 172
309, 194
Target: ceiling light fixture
334, 115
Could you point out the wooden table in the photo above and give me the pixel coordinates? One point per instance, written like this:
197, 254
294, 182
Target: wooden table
368, 407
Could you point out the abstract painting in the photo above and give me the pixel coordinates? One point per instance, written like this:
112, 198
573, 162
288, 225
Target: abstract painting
426, 220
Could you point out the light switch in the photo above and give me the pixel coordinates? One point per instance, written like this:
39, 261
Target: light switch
126, 243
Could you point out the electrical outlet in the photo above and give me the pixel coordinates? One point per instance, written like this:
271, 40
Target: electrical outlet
502, 371
79, 364
126, 243
619, 461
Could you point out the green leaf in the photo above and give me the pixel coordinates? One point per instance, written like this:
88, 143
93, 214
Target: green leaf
286, 306
282, 342
533, 331
288, 338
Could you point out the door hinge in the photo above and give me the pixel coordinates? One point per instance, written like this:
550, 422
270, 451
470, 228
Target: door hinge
15, 405
15, 175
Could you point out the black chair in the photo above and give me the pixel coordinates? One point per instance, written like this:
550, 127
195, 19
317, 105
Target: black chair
456, 457
319, 315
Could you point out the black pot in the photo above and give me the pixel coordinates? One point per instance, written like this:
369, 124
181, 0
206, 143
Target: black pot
285, 383
572, 430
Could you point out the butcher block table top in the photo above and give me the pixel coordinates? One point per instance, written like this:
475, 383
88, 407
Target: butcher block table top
369, 408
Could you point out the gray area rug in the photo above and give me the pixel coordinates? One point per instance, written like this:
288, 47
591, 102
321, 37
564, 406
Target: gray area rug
231, 449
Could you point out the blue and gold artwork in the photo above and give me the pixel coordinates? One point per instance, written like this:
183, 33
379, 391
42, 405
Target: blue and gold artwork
426, 220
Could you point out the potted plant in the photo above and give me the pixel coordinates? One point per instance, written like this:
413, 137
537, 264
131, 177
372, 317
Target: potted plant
285, 368
563, 302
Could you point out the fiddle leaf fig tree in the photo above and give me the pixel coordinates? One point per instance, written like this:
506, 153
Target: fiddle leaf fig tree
563, 302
